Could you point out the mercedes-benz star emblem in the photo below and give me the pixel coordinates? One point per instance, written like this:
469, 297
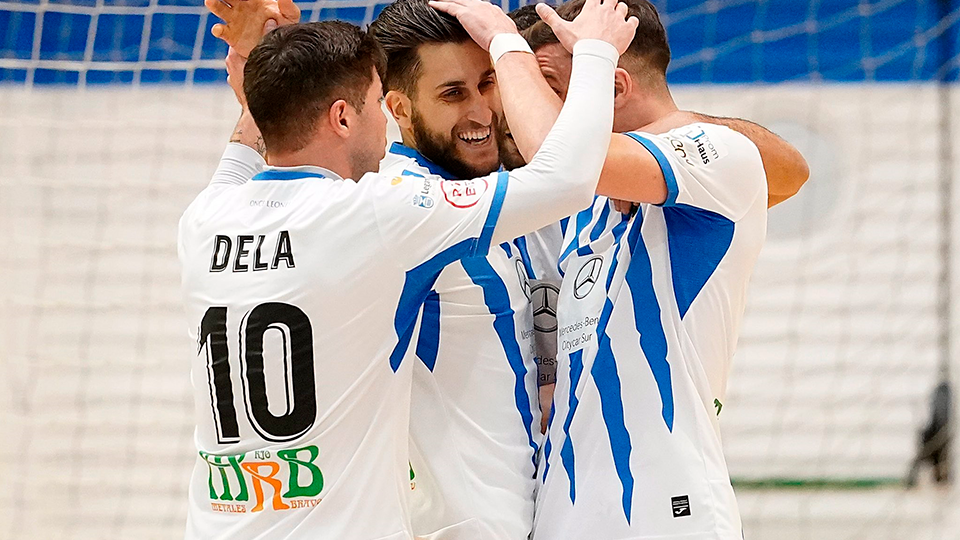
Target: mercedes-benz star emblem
587, 277
543, 298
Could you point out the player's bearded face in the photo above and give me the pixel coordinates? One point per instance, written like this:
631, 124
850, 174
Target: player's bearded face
456, 111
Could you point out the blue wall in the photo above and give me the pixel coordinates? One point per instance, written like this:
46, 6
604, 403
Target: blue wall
740, 42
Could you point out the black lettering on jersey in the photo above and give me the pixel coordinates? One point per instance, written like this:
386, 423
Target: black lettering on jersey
242, 252
223, 253
218, 262
284, 251
257, 263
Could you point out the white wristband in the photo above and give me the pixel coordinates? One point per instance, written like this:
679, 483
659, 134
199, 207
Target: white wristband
502, 44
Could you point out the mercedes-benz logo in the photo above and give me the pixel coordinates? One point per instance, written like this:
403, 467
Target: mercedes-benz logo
587, 277
543, 299
524, 280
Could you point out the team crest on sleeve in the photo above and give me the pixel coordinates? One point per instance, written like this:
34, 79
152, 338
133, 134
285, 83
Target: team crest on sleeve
463, 193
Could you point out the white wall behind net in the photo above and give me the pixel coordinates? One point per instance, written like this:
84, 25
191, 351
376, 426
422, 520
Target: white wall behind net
836, 364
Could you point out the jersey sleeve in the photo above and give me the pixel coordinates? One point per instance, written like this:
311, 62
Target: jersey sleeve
709, 167
238, 164
424, 217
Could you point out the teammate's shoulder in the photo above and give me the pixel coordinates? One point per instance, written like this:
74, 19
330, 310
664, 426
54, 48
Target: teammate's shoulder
702, 145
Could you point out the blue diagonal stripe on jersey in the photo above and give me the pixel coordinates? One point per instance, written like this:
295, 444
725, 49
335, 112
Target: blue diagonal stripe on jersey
417, 284
697, 239
646, 312
273, 174
583, 219
601, 223
521, 244
668, 176
566, 449
428, 342
483, 244
497, 299
605, 376
506, 249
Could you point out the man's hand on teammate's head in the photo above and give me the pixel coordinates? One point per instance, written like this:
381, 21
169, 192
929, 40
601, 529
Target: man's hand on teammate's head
246, 21
600, 19
482, 20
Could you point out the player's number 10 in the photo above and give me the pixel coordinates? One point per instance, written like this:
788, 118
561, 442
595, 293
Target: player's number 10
297, 363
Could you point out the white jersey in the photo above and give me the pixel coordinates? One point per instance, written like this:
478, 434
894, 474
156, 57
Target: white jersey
302, 292
649, 311
475, 416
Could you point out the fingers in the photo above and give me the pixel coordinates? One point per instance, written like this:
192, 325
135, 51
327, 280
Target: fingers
446, 6
269, 26
289, 10
218, 8
218, 30
549, 16
621, 9
634, 23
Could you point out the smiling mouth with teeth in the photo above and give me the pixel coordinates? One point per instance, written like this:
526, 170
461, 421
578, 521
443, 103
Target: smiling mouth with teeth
476, 136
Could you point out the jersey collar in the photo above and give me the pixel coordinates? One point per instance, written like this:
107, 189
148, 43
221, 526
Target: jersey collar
296, 173
400, 149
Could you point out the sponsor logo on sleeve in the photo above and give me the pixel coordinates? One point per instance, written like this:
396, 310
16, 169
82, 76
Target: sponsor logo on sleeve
704, 150
463, 193
423, 201
424, 198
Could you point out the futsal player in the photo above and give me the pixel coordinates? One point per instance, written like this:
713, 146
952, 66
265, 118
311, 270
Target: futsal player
649, 308
299, 284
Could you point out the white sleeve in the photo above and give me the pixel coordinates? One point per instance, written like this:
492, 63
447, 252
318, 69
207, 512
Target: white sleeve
562, 177
238, 164
709, 167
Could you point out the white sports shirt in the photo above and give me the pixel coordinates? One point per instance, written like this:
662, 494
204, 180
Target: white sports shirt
649, 311
302, 291
475, 413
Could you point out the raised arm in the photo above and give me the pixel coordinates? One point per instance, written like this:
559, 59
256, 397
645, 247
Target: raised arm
245, 156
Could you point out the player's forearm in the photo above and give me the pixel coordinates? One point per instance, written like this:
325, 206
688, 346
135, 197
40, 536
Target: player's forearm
561, 178
529, 105
242, 158
785, 167
248, 134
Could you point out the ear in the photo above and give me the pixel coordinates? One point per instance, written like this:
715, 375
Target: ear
340, 118
401, 108
622, 87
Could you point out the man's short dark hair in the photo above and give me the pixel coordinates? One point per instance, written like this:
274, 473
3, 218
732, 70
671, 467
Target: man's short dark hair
525, 17
649, 49
401, 28
297, 72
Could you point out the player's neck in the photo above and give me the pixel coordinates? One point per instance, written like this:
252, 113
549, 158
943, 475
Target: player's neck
332, 157
644, 107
